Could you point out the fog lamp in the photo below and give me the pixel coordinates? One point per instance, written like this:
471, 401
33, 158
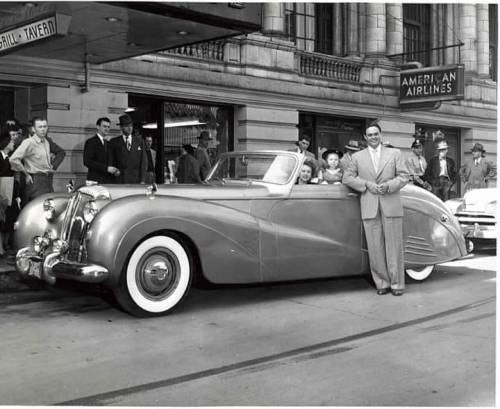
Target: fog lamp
60, 246
49, 209
89, 211
40, 243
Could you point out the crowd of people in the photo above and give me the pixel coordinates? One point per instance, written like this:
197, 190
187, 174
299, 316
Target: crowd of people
439, 175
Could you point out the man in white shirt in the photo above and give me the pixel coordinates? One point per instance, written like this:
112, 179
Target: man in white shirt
417, 164
477, 170
379, 173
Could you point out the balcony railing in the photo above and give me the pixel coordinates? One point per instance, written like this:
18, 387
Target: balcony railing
213, 50
328, 67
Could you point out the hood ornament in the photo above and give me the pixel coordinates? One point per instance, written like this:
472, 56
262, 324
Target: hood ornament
151, 190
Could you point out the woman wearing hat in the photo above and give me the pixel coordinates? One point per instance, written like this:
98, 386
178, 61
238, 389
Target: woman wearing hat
441, 172
476, 171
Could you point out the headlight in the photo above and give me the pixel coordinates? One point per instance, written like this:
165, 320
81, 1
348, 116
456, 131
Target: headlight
49, 209
89, 211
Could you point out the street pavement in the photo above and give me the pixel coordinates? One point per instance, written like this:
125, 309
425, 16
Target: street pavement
331, 342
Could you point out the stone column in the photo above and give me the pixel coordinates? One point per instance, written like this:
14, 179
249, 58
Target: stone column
450, 38
483, 38
468, 36
394, 28
375, 30
362, 28
352, 30
337, 29
273, 19
434, 60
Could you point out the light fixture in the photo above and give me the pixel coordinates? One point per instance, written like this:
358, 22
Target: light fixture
182, 33
194, 122
112, 19
130, 109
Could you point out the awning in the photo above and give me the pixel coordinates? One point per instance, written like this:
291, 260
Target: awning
108, 31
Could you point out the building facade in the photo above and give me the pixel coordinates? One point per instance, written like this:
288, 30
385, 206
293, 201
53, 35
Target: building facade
322, 69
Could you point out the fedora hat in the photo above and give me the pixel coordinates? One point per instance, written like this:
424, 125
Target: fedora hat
353, 145
478, 147
441, 145
125, 120
205, 135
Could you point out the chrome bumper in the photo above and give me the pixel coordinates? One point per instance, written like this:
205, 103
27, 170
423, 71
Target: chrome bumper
477, 231
52, 266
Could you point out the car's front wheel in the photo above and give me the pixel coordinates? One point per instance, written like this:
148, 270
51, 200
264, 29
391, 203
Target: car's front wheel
420, 273
156, 278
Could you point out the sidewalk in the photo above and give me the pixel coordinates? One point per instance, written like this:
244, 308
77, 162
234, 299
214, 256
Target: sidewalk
9, 278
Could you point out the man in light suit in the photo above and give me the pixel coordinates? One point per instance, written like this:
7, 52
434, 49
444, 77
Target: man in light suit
379, 173
95, 152
127, 154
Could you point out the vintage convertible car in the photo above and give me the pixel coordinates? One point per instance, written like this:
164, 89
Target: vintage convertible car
477, 214
249, 223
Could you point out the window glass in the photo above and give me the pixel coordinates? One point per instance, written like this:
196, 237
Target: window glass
416, 32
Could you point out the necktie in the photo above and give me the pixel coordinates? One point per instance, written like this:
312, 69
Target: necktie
476, 162
375, 161
129, 143
420, 165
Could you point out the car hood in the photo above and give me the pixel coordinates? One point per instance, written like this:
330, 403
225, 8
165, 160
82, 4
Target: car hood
202, 192
478, 199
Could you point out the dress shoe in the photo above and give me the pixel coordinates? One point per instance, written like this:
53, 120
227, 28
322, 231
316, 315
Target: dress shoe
382, 291
397, 292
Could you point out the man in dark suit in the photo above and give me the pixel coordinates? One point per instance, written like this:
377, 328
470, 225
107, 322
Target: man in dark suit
95, 155
151, 158
441, 172
127, 154
379, 173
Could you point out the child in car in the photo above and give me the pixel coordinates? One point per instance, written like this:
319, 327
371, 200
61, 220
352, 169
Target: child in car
331, 173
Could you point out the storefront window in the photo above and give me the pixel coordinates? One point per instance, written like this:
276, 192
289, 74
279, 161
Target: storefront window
184, 122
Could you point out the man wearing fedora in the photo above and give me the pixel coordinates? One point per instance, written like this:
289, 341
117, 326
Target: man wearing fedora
128, 154
441, 172
417, 165
202, 155
476, 171
350, 149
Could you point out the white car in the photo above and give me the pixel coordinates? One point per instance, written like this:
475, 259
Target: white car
477, 214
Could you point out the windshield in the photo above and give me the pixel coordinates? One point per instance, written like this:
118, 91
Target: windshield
270, 168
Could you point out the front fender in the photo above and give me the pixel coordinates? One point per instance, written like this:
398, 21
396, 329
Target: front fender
227, 240
31, 221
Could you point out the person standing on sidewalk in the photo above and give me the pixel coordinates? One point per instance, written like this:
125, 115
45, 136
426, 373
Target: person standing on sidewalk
476, 171
379, 173
38, 158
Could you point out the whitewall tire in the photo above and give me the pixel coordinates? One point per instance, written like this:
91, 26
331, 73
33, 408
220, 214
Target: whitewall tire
420, 273
156, 278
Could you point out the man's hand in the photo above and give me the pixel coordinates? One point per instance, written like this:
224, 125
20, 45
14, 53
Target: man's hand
372, 188
383, 188
113, 170
29, 179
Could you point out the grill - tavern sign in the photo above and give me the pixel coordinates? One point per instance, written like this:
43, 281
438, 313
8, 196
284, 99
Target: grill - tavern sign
33, 31
432, 84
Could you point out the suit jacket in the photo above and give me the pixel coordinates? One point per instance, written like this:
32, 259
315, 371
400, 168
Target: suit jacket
308, 154
95, 159
132, 164
477, 176
432, 172
392, 170
203, 159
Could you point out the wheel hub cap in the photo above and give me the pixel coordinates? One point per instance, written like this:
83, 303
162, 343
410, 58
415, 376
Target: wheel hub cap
156, 274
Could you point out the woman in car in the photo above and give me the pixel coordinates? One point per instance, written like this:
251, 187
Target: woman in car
306, 173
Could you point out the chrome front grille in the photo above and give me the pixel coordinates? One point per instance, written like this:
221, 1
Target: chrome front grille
74, 227
476, 218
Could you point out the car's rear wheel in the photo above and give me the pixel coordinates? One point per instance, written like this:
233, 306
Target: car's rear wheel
156, 277
420, 273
